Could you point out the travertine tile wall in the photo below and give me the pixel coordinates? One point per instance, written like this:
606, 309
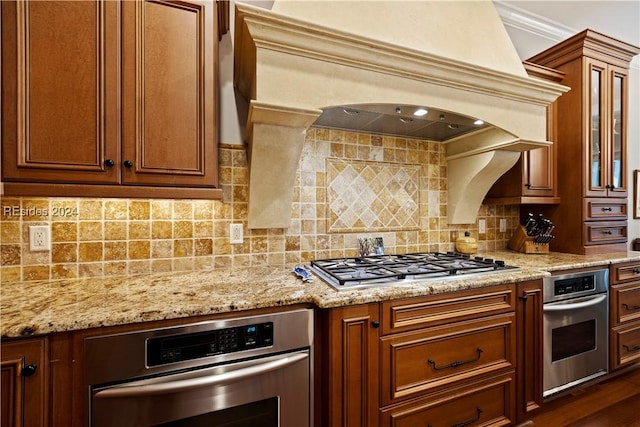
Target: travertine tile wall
113, 237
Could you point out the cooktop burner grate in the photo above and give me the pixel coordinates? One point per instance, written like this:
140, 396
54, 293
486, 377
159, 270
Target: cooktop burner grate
391, 269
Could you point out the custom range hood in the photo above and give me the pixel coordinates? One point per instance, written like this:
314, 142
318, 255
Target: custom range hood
306, 62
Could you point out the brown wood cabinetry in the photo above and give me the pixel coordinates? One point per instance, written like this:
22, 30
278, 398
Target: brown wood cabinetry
351, 366
24, 397
591, 143
445, 358
533, 179
530, 352
625, 314
110, 98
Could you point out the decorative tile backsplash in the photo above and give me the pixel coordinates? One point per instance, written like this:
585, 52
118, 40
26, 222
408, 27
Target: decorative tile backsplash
372, 196
405, 182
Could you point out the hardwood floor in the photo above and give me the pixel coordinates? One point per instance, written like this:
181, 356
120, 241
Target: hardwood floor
612, 403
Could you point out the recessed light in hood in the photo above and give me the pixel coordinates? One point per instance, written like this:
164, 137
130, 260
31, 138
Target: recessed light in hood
431, 124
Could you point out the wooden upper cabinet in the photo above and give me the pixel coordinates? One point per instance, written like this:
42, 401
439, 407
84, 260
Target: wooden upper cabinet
605, 109
119, 97
169, 120
532, 180
592, 120
59, 112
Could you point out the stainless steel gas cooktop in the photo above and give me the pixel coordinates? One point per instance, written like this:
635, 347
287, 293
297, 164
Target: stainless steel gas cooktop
389, 270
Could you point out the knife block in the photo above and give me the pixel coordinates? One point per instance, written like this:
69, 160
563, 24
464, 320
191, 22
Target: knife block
522, 243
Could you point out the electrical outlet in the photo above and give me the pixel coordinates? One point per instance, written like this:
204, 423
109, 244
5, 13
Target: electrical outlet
39, 238
503, 225
482, 226
236, 234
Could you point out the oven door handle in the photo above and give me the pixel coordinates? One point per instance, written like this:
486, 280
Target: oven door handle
573, 306
144, 388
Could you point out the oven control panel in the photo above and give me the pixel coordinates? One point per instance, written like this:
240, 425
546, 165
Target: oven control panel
177, 348
574, 285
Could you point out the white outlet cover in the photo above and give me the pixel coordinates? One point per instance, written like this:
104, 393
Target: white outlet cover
39, 238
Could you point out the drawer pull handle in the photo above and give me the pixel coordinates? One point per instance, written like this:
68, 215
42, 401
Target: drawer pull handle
607, 232
631, 308
607, 209
636, 271
468, 422
454, 364
631, 349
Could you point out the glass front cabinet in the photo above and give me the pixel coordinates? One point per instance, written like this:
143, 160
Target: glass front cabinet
607, 139
591, 144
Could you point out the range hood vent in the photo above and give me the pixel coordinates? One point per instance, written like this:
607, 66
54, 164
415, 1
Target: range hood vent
306, 62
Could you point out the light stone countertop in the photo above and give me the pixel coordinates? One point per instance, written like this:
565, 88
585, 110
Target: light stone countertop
41, 307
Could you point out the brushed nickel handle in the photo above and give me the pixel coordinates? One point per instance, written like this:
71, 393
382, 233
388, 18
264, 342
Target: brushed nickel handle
188, 382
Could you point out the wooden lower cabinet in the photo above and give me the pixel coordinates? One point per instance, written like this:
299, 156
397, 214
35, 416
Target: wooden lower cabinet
426, 360
624, 310
487, 402
530, 348
439, 360
350, 366
24, 396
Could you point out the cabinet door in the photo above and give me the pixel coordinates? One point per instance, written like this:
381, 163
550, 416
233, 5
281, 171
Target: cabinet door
169, 93
60, 91
538, 172
617, 126
24, 386
529, 348
607, 143
352, 366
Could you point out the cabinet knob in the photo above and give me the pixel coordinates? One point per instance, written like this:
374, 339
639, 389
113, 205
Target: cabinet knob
528, 186
375, 324
128, 164
610, 186
607, 209
29, 370
109, 163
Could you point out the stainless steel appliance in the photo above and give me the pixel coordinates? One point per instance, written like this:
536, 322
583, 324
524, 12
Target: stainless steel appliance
249, 371
389, 270
576, 313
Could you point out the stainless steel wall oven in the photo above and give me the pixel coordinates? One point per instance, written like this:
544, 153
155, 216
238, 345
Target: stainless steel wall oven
249, 371
576, 321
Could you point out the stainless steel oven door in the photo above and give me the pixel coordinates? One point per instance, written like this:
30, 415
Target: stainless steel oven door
267, 391
575, 341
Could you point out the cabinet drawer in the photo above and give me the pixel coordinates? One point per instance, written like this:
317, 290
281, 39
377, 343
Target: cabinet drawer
626, 345
487, 402
419, 362
605, 209
625, 303
625, 272
597, 233
417, 313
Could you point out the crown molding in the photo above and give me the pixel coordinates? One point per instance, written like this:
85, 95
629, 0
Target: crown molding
521, 19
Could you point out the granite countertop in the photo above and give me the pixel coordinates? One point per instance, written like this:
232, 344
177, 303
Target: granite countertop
42, 307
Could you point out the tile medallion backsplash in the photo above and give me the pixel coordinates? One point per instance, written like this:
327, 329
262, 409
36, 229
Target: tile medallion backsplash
349, 185
372, 196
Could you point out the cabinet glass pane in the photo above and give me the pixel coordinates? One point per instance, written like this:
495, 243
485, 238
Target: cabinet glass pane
617, 131
596, 119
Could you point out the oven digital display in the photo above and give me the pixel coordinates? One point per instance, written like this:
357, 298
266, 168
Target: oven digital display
176, 348
574, 285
